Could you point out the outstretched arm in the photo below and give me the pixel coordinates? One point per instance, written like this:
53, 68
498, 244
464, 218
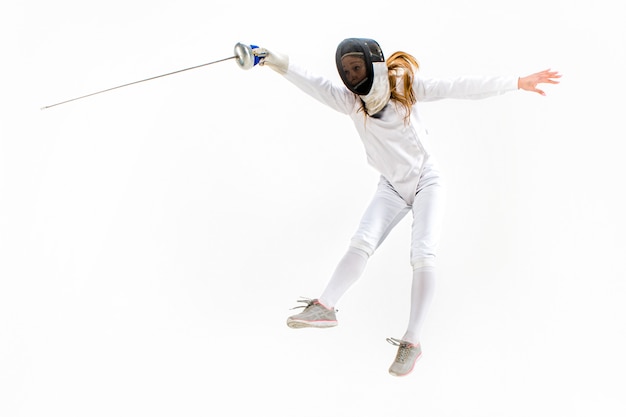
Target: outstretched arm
321, 89
529, 83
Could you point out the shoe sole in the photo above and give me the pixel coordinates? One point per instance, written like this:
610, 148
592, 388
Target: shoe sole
300, 324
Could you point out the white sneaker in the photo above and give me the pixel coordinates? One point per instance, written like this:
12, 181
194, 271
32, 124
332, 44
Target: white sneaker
406, 357
315, 314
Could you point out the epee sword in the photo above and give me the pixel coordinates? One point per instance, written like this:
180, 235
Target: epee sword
247, 56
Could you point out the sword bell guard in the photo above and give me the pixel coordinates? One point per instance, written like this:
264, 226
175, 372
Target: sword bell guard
245, 56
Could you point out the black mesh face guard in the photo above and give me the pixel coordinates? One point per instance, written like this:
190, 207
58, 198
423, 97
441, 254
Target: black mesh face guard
370, 52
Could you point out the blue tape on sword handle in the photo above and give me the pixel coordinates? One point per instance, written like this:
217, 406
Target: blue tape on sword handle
257, 58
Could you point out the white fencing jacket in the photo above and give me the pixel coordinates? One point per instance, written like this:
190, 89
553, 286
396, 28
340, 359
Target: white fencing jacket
393, 147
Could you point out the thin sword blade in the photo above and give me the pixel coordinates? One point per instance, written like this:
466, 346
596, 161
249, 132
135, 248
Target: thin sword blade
137, 82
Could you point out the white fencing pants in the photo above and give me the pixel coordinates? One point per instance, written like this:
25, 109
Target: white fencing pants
387, 208
384, 212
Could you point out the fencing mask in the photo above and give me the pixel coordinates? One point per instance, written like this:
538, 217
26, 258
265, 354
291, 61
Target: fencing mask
361, 65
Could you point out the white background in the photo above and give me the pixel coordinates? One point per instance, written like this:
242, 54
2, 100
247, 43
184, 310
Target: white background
154, 238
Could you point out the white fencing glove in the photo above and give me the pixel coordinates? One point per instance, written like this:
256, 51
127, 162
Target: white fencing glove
277, 62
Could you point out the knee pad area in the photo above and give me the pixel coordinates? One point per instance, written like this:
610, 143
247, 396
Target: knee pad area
361, 249
423, 263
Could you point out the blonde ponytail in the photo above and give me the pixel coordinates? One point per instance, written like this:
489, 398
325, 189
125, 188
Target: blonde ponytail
402, 67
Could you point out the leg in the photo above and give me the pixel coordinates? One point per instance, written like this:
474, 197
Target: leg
321, 312
383, 213
427, 223
422, 291
347, 272
428, 211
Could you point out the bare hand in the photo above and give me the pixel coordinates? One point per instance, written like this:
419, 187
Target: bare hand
529, 83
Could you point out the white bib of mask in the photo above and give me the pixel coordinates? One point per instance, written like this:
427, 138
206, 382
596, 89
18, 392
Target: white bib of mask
379, 95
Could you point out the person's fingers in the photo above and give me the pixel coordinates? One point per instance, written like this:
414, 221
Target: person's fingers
548, 76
